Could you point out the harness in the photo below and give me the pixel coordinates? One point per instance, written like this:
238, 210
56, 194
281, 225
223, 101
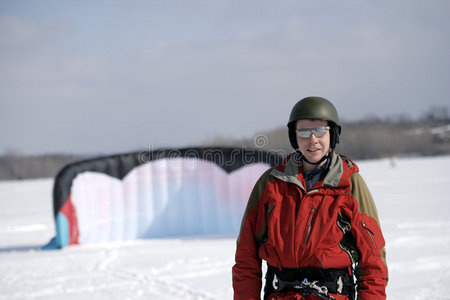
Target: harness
319, 282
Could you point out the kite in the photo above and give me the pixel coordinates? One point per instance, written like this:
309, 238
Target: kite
156, 194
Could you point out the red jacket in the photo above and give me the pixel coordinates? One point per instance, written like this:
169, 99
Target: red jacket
332, 226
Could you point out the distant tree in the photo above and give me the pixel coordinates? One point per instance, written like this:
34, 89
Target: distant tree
436, 116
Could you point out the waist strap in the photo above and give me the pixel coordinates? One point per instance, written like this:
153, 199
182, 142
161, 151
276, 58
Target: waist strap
316, 281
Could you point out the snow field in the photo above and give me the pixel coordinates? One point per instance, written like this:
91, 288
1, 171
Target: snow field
410, 193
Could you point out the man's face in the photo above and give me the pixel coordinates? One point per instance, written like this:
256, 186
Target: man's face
313, 148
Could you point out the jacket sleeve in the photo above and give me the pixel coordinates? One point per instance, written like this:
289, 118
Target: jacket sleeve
247, 270
371, 272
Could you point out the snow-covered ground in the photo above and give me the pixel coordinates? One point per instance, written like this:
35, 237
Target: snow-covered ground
412, 198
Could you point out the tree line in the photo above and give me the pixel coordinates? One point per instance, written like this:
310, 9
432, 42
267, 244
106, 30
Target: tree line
373, 137
17, 166
370, 138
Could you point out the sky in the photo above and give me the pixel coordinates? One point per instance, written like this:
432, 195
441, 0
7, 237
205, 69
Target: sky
83, 77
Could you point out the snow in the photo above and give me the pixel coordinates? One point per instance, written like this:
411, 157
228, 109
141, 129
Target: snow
410, 193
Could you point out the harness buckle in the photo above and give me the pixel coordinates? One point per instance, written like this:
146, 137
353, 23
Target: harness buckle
275, 282
305, 281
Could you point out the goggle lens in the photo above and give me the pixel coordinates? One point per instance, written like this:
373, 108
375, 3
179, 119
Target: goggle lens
318, 132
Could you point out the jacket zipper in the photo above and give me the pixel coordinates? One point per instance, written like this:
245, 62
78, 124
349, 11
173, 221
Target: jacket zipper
308, 232
342, 247
348, 253
370, 234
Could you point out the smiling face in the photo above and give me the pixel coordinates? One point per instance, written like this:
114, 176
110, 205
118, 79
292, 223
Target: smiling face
313, 148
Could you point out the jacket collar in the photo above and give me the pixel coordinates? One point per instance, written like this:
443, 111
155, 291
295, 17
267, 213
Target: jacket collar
289, 170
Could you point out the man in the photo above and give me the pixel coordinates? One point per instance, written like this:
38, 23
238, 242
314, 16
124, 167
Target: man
312, 219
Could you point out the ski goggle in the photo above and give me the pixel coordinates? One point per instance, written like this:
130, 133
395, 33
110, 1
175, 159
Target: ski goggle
306, 132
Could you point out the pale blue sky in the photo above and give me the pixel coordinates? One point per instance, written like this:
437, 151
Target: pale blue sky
115, 76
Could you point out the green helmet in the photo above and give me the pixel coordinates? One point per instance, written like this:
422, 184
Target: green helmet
315, 108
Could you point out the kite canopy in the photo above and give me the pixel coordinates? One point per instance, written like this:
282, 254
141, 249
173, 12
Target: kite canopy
154, 194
